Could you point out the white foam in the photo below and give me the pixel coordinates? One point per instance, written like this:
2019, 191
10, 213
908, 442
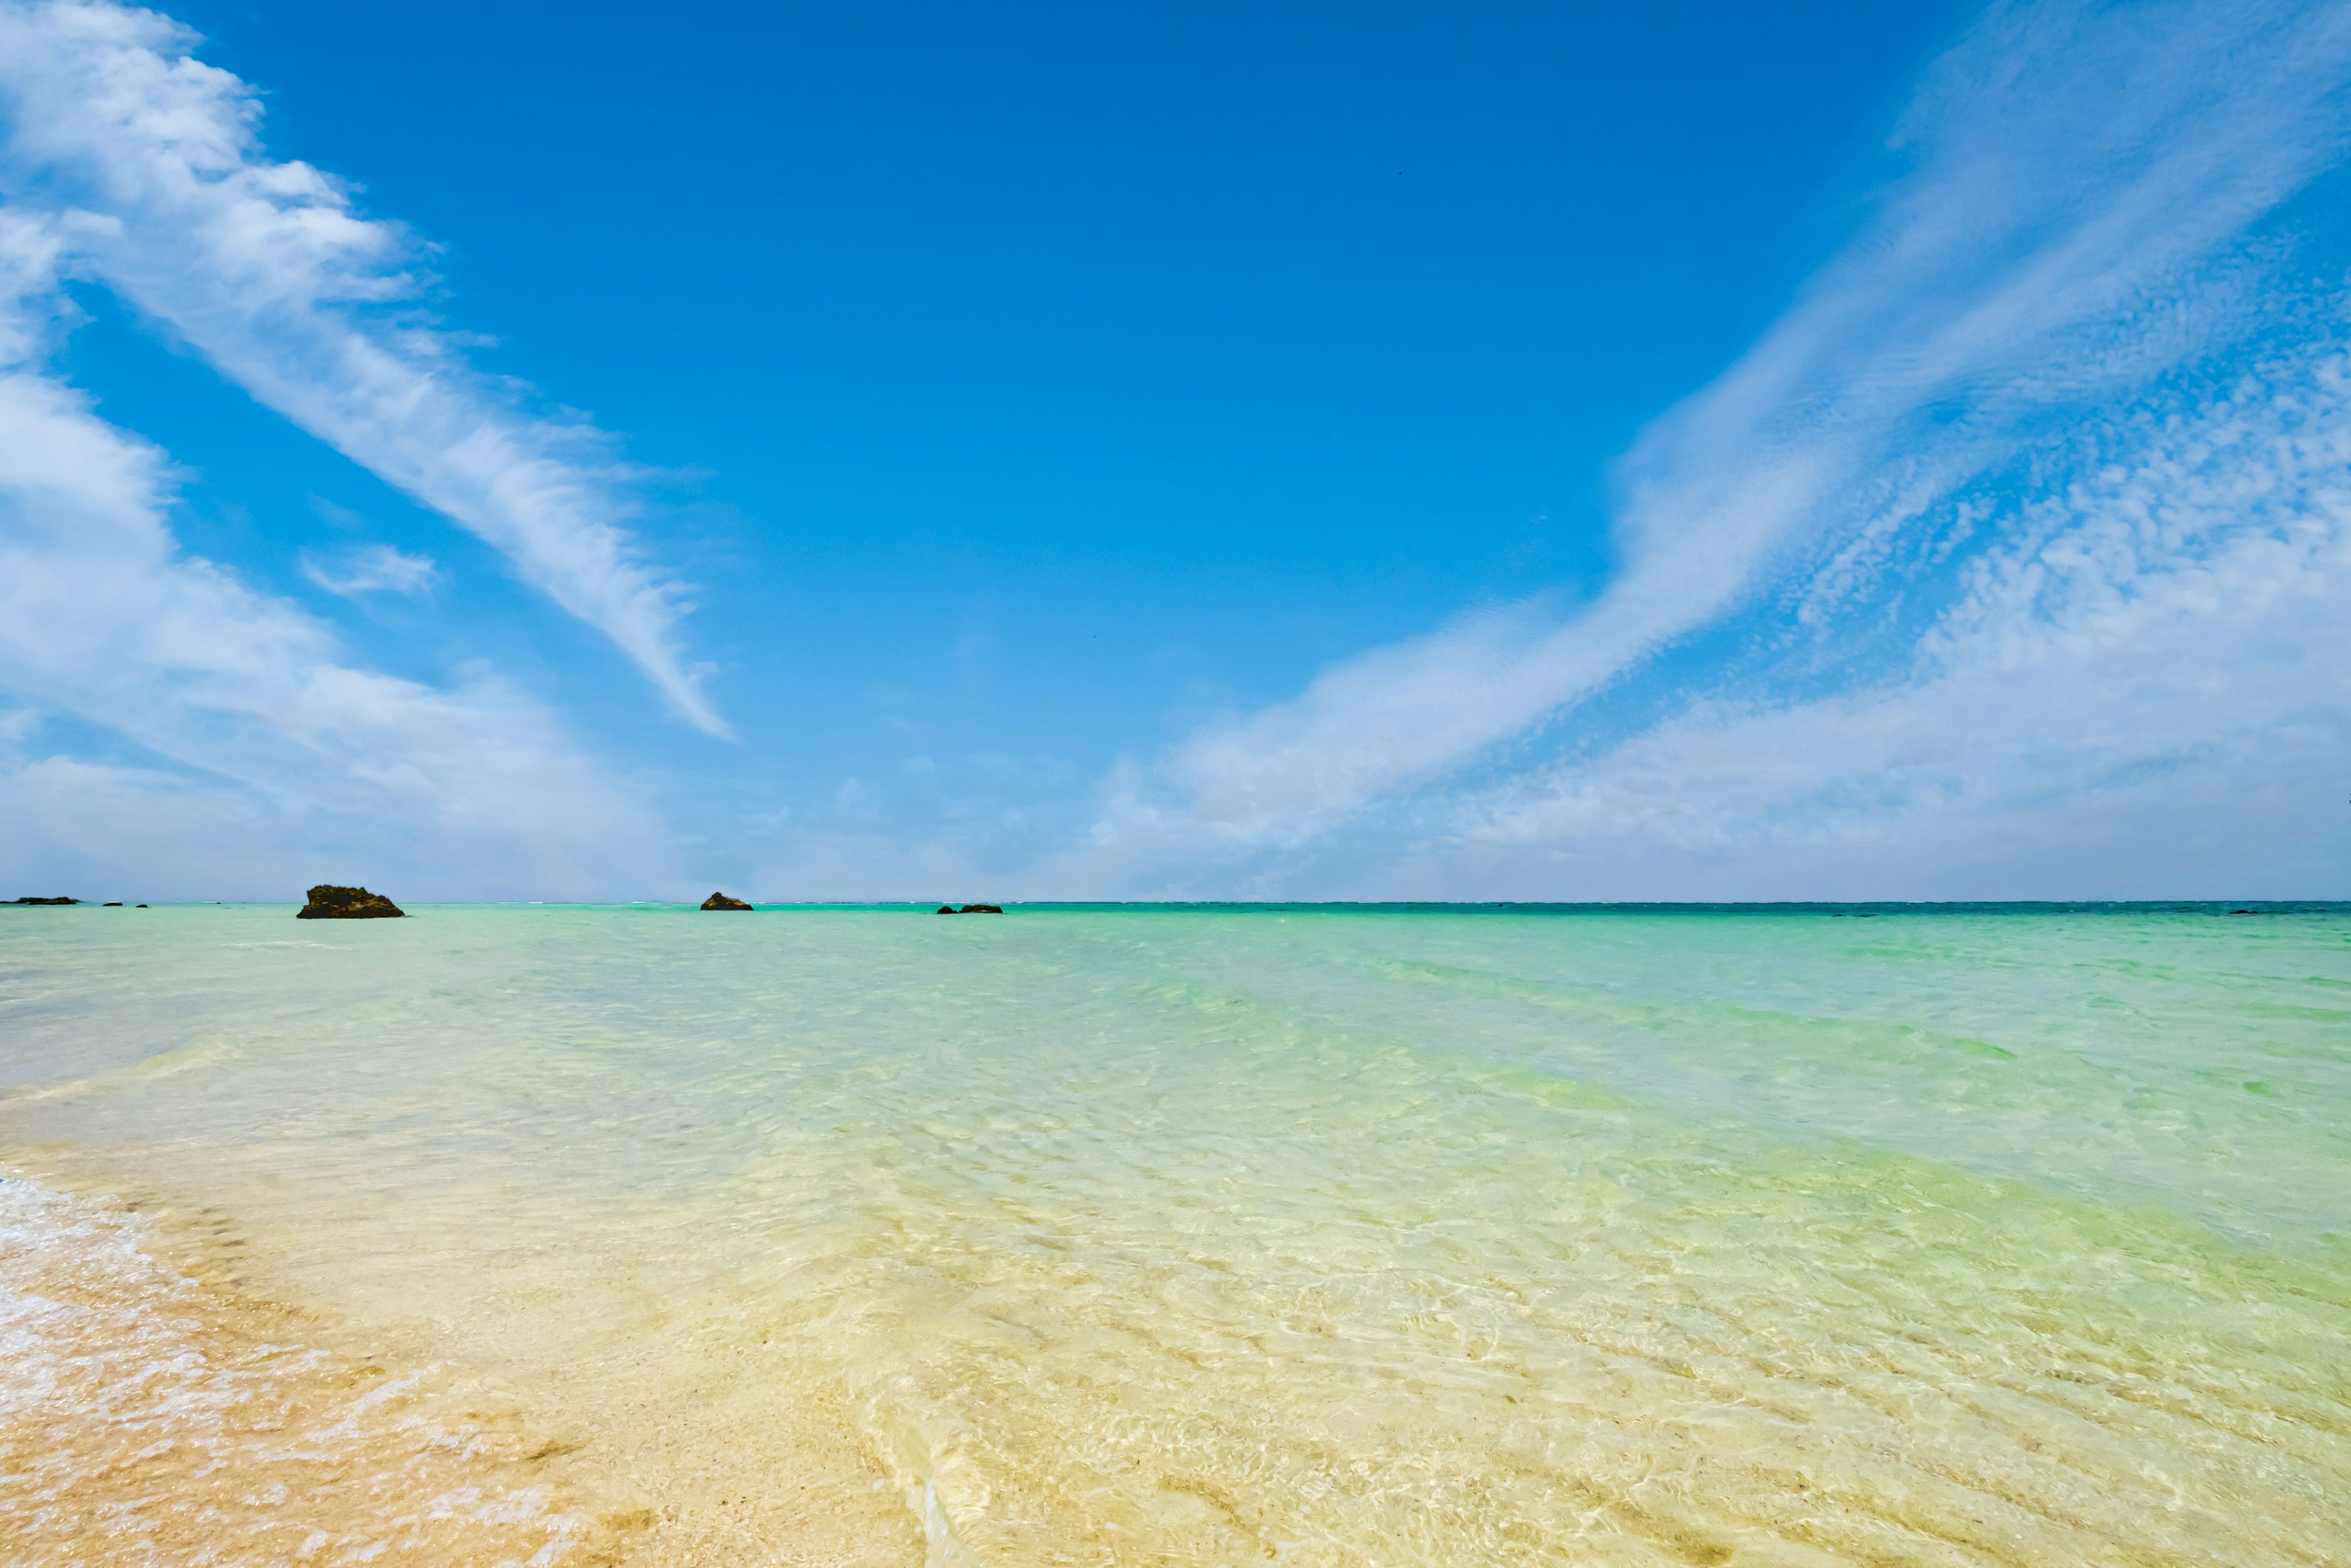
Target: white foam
136, 1422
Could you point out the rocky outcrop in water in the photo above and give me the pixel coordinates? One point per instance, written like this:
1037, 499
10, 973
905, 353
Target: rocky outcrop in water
972, 909
47, 901
720, 900
330, 902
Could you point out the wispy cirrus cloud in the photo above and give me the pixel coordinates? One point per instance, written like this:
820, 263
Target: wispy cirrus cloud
2144, 692
2069, 223
152, 160
372, 568
264, 757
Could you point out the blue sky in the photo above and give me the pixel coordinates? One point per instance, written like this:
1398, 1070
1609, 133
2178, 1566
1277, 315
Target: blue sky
1675, 452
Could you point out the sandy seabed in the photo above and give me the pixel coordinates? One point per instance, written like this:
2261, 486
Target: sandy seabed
502, 1236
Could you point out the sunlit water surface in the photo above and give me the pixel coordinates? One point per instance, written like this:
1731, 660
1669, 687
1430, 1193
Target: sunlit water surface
1175, 1236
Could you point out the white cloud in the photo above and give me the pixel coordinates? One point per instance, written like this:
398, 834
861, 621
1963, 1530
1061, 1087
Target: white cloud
373, 568
336, 516
2141, 696
2066, 229
153, 158
272, 754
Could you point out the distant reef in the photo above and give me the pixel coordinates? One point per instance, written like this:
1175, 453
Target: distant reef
972, 909
47, 901
331, 903
720, 900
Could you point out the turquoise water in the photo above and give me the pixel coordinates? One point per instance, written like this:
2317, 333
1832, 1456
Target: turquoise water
1125, 1235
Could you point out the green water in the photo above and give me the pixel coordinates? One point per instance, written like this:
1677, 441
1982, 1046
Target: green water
1193, 1236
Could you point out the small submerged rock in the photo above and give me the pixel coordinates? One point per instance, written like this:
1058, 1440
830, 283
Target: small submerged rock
328, 902
720, 900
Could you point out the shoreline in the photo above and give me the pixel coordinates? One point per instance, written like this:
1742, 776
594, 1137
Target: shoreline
152, 1410
216, 1403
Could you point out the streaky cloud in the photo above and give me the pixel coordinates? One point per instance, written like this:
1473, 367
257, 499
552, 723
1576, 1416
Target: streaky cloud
260, 751
265, 269
373, 568
2142, 694
2065, 224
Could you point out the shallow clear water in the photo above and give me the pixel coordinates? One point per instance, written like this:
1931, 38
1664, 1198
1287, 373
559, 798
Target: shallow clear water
1184, 1236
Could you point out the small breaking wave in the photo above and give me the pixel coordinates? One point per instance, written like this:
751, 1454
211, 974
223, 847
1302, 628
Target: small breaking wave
147, 1417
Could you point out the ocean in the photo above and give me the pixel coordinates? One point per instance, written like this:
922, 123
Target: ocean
1093, 1234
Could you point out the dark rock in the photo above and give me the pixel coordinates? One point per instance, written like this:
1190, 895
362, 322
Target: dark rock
116, 904
331, 903
720, 900
2244, 911
947, 909
981, 909
138, 906
48, 901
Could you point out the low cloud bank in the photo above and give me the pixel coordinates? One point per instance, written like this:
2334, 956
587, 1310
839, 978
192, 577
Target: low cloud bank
254, 751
